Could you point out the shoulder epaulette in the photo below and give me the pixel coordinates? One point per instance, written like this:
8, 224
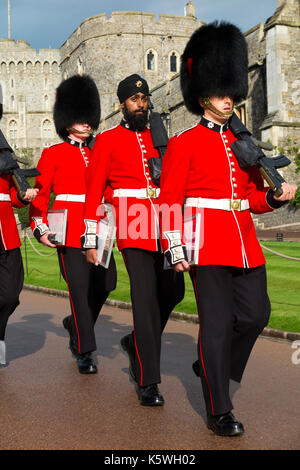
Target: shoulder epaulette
185, 130
55, 145
110, 129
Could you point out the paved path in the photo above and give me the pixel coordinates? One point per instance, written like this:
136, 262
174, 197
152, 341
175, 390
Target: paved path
46, 404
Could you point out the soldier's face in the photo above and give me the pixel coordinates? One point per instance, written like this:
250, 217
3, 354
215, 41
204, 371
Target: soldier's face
222, 104
137, 103
80, 131
135, 110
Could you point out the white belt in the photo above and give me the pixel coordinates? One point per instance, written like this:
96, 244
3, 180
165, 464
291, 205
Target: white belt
4, 197
223, 204
71, 197
141, 193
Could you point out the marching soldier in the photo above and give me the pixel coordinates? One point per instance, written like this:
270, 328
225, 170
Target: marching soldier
63, 169
200, 171
119, 161
11, 265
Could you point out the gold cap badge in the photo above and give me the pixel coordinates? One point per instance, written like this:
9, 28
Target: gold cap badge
139, 83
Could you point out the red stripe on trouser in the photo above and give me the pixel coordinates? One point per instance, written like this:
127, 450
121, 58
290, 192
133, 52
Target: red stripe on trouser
72, 305
136, 348
200, 346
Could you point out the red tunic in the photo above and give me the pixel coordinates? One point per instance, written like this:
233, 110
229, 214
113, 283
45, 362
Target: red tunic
8, 227
199, 163
119, 160
63, 169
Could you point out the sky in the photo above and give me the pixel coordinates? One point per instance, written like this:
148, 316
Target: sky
47, 24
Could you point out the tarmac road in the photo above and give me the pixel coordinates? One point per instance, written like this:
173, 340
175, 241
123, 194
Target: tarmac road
47, 405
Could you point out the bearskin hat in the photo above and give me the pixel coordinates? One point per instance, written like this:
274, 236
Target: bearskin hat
77, 101
214, 63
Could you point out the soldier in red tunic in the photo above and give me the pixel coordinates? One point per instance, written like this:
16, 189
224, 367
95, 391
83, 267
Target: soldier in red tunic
63, 170
11, 265
201, 172
120, 161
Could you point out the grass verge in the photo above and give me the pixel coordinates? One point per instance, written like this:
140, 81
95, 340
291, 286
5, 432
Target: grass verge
283, 280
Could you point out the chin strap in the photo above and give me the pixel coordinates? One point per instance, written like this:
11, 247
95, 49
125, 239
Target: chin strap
72, 129
212, 108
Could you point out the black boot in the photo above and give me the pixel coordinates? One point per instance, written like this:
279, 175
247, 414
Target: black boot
150, 395
225, 425
86, 364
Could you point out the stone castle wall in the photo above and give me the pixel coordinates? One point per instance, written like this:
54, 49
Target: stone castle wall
111, 49
28, 79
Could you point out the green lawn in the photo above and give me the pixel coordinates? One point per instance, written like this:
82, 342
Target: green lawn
283, 281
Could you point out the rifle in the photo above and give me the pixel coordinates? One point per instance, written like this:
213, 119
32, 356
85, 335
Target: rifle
248, 152
160, 141
9, 165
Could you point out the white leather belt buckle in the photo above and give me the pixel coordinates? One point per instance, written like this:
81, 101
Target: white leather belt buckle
221, 204
141, 193
70, 197
4, 197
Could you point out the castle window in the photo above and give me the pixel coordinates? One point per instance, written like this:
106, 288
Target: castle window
241, 113
173, 62
13, 130
46, 102
12, 103
79, 66
150, 61
47, 132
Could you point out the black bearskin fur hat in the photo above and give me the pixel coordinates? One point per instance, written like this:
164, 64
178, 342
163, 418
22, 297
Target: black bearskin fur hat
77, 101
214, 63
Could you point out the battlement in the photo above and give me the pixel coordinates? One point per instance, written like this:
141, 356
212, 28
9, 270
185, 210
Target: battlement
129, 22
12, 44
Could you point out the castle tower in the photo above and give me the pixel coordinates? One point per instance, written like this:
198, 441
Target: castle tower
126, 43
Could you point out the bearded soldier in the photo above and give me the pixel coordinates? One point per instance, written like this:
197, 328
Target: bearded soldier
120, 162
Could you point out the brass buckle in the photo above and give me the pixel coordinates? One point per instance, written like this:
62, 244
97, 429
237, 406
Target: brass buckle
151, 192
235, 205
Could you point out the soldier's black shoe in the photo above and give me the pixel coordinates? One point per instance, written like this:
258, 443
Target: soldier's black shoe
225, 425
196, 368
127, 346
86, 364
67, 323
150, 395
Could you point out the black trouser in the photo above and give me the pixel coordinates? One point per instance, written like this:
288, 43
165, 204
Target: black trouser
88, 287
11, 284
154, 294
233, 308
